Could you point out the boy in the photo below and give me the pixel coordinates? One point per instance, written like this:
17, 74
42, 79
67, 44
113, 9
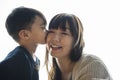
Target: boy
27, 27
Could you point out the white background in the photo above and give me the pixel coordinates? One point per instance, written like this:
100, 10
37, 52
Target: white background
101, 22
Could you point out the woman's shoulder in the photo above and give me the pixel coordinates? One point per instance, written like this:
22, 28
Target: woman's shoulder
89, 58
91, 66
91, 61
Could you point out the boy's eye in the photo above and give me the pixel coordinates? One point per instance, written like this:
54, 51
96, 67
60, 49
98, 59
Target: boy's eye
42, 27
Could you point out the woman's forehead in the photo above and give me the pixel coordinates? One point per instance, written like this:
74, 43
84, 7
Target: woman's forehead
67, 25
62, 26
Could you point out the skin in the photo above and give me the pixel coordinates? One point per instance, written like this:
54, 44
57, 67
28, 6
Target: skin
31, 38
60, 42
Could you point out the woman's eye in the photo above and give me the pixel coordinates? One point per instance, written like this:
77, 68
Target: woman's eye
50, 32
64, 33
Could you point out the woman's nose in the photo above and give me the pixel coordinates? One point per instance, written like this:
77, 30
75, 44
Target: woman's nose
56, 38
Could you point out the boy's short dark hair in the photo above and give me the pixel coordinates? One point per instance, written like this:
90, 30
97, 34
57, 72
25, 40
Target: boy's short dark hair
21, 18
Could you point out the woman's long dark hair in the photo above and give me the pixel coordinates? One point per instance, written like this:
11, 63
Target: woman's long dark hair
76, 29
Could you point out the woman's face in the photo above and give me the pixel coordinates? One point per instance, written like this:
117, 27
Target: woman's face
59, 42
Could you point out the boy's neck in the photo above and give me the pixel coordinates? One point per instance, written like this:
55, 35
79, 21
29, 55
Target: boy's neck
31, 48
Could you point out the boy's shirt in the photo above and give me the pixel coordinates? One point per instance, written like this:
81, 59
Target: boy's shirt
19, 65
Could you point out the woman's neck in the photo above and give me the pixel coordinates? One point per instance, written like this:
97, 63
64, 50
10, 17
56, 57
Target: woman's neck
66, 66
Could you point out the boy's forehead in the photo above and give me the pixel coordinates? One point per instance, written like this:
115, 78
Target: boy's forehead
39, 19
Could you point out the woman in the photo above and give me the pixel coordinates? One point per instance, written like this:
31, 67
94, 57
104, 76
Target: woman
65, 43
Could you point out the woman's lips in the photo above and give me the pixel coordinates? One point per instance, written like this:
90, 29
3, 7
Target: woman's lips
55, 47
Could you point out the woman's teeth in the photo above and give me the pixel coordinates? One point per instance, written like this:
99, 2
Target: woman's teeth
55, 46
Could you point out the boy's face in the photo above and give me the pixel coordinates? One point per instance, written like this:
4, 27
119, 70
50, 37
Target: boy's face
38, 31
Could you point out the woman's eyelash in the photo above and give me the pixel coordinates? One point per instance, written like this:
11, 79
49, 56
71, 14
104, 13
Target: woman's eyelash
50, 32
64, 33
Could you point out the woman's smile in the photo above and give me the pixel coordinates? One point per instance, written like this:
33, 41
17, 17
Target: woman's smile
56, 48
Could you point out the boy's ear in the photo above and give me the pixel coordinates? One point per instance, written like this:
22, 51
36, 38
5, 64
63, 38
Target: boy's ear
24, 34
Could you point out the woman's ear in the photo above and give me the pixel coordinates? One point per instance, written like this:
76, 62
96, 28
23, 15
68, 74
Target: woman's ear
24, 34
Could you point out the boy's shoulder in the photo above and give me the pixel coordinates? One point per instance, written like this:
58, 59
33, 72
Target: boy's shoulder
16, 54
17, 51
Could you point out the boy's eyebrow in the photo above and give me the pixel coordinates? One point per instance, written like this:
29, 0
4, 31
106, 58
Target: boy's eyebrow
42, 23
